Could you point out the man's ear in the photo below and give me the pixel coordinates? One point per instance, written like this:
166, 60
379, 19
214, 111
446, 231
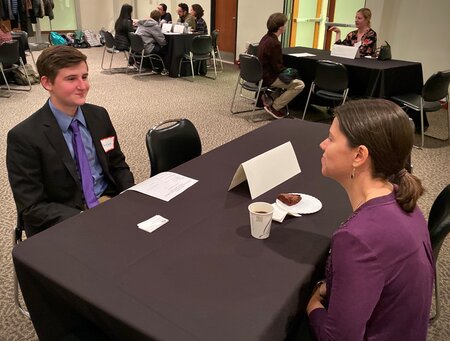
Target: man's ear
46, 83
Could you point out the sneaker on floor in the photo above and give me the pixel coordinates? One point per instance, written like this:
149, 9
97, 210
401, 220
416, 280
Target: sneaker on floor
164, 72
132, 67
275, 113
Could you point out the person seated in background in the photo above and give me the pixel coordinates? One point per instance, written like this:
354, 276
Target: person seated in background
123, 26
200, 24
363, 36
152, 36
65, 158
5, 33
185, 17
380, 271
166, 17
271, 58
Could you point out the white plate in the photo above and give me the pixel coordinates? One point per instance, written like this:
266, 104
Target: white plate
307, 205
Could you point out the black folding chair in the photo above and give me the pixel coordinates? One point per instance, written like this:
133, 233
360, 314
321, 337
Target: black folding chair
249, 79
9, 56
439, 227
111, 48
330, 82
201, 50
171, 143
435, 89
137, 51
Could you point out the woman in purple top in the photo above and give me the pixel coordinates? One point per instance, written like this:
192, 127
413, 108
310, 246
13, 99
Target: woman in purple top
379, 275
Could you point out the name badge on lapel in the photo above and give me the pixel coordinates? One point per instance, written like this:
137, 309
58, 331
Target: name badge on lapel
108, 143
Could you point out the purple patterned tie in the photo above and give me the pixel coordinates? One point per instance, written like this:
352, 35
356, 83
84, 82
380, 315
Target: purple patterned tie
83, 166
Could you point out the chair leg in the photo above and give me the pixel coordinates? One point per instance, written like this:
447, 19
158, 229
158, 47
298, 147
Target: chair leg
307, 100
103, 57
192, 68
19, 306
234, 97
436, 297
422, 133
6, 82
220, 58
110, 62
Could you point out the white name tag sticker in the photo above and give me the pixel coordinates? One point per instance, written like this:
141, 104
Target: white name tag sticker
108, 143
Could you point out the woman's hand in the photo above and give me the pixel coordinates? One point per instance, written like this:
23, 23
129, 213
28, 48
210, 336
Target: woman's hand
336, 30
317, 297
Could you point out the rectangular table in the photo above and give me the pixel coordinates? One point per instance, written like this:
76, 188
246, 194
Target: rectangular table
199, 277
367, 77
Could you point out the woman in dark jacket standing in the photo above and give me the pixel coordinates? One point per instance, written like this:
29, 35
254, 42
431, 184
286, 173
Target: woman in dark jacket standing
123, 26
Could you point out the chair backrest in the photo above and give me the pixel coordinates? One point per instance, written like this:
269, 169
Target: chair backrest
214, 38
439, 220
201, 45
331, 76
109, 40
171, 143
9, 52
136, 42
253, 49
251, 68
436, 87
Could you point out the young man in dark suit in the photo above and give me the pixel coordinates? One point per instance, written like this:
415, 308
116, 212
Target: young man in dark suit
64, 158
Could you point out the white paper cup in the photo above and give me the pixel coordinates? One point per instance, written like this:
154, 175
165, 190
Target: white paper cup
260, 219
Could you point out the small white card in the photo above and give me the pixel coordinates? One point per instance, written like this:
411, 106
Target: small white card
153, 223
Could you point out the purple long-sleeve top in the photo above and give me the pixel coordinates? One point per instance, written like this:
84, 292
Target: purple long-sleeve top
379, 276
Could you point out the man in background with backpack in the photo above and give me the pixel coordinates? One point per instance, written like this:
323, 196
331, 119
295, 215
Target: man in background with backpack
271, 58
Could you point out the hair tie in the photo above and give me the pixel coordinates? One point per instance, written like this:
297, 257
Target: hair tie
401, 173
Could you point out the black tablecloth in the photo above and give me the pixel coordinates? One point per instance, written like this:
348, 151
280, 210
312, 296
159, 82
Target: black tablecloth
367, 77
199, 277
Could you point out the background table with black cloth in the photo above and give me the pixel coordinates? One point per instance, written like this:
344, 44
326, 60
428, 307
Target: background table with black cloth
367, 77
199, 277
177, 46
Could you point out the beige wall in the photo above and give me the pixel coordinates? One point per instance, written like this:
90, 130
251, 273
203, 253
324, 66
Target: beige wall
252, 19
417, 30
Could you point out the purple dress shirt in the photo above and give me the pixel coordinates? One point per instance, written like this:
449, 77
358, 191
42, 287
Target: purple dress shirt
379, 276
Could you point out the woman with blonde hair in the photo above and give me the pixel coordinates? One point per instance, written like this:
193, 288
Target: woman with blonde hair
364, 36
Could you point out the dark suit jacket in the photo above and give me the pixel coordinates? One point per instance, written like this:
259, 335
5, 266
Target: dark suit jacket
43, 175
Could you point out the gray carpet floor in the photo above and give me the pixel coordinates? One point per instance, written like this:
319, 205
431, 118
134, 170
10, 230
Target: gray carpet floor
136, 104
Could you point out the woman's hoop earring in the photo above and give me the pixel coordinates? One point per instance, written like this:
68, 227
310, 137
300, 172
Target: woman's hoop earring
352, 175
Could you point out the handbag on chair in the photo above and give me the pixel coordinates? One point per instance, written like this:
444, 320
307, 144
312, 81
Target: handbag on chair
384, 52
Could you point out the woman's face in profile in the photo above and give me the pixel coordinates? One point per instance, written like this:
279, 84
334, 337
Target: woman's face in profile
360, 21
337, 158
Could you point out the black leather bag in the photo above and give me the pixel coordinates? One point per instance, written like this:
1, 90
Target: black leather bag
385, 52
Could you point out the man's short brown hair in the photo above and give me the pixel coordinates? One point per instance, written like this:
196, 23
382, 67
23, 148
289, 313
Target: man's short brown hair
155, 15
275, 21
55, 58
